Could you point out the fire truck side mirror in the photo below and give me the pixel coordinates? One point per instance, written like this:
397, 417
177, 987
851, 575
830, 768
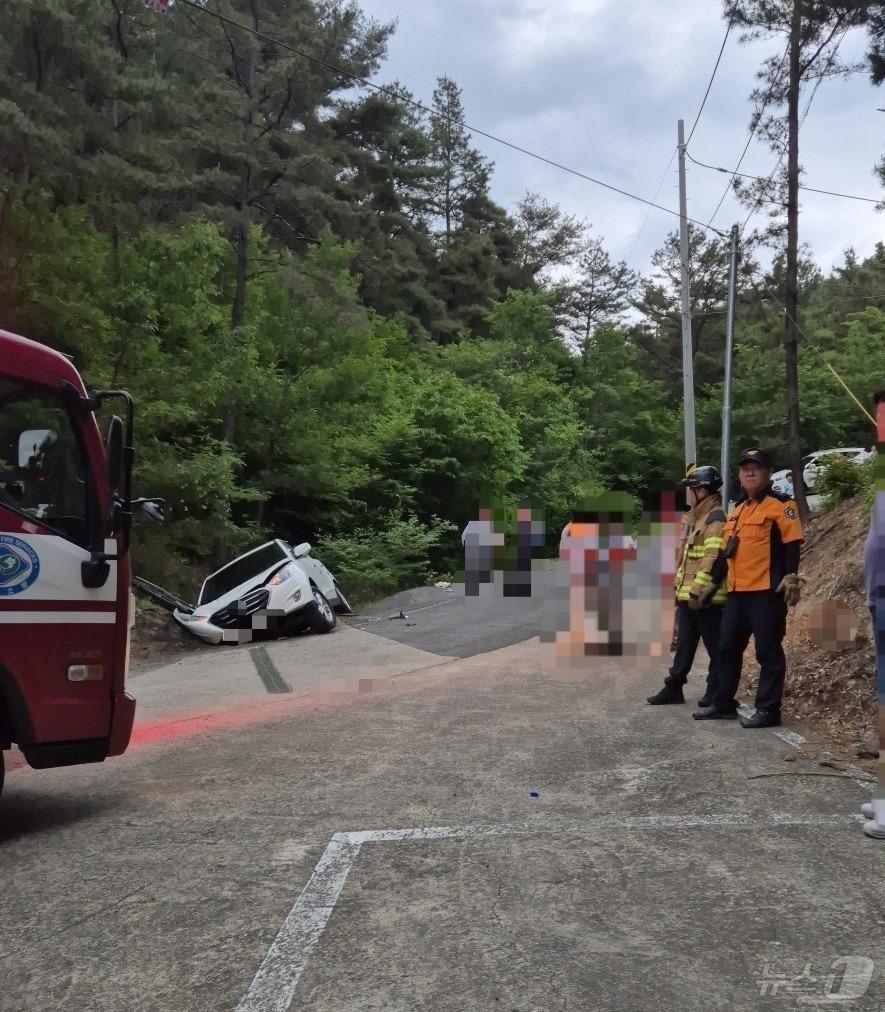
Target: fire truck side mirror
114, 449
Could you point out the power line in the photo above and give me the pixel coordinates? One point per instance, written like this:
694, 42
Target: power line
648, 212
690, 135
709, 84
758, 203
759, 179
424, 108
758, 120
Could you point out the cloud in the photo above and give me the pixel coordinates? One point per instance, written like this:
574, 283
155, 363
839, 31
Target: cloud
599, 85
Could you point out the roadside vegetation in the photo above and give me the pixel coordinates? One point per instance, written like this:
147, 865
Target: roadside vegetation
332, 331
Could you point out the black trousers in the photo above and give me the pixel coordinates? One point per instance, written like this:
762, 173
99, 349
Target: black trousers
761, 614
691, 628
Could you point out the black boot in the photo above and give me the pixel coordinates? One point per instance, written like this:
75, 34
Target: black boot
707, 698
762, 718
712, 713
669, 694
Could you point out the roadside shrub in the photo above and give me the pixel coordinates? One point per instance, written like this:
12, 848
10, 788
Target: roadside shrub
840, 479
370, 563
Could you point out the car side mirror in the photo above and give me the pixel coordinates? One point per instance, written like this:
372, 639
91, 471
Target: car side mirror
299, 551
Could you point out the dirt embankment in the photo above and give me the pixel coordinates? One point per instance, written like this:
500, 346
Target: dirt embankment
830, 688
157, 637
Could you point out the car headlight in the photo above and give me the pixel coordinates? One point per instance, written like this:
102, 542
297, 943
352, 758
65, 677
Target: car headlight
286, 573
194, 618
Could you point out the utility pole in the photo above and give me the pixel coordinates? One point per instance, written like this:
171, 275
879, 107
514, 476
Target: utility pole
729, 353
687, 356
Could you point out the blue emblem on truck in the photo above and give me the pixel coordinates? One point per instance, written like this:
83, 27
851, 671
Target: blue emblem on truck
19, 565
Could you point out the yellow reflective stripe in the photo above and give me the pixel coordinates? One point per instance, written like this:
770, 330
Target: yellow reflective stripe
713, 543
703, 578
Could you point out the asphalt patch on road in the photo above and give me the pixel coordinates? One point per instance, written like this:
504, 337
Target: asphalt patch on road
442, 620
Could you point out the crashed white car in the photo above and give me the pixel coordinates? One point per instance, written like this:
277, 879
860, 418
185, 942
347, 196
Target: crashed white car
273, 589
814, 463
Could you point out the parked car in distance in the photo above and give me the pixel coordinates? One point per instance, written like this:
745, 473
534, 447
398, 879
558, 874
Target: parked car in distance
274, 589
779, 481
812, 464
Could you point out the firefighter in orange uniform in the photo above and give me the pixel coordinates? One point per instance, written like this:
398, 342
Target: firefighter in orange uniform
762, 539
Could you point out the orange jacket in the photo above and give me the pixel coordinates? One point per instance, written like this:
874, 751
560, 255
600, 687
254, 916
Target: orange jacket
762, 527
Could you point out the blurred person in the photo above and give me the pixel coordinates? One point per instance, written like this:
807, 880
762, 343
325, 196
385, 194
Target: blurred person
760, 556
596, 545
480, 540
698, 599
530, 534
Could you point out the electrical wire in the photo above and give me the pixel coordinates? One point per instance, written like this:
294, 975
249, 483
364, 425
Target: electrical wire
759, 179
648, 212
758, 203
758, 120
690, 135
381, 89
709, 84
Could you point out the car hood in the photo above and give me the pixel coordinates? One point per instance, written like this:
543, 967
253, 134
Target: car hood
252, 583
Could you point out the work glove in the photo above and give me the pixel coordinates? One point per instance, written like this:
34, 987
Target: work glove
694, 603
791, 588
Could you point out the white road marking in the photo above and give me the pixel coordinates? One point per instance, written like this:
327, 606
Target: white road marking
797, 741
791, 738
278, 976
275, 982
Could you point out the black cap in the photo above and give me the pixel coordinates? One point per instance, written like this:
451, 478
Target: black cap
755, 455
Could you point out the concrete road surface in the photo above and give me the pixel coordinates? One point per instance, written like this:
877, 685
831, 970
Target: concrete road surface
353, 822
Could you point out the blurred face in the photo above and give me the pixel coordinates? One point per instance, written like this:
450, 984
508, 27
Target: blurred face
753, 478
485, 514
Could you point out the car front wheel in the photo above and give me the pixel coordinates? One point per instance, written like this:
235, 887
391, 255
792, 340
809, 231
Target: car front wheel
322, 619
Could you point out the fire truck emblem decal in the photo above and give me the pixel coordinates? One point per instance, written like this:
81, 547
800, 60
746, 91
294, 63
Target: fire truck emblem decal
19, 565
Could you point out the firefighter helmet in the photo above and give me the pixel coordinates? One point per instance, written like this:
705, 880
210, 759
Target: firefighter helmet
705, 476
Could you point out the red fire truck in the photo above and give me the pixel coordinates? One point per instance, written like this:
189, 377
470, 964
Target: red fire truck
65, 515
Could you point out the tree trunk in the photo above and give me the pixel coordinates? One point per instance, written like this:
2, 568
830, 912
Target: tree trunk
791, 285
244, 221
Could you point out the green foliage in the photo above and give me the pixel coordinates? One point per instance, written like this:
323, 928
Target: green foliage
372, 562
841, 479
331, 331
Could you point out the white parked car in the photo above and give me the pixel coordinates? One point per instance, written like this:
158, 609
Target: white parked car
274, 588
812, 464
779, 481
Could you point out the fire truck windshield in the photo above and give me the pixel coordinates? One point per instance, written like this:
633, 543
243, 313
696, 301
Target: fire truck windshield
43, 473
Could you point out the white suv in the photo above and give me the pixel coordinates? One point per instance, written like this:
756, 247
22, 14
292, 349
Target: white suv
274, 588
812, 464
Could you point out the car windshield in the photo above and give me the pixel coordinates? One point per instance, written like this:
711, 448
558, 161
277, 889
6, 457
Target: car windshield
240, 570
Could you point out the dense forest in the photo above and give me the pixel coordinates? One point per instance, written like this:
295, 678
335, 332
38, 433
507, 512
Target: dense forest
332, 331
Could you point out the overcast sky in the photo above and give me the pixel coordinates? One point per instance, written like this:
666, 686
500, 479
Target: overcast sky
599, 85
